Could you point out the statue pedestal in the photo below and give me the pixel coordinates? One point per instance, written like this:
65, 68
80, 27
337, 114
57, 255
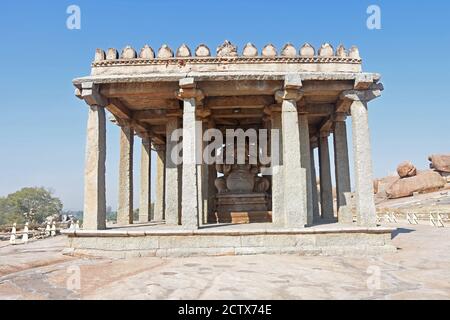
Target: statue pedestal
242, 208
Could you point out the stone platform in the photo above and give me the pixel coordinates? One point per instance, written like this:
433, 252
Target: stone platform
241, 208
218, 240
238, 217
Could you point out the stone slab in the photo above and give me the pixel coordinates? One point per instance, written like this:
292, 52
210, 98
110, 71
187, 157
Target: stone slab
231, 241
241, 217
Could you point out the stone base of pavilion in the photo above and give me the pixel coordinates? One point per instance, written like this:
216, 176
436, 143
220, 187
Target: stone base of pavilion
160, 240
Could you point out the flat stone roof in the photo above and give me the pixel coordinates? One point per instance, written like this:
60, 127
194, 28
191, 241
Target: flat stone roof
224, 76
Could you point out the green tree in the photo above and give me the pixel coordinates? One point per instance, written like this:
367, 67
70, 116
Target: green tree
40, 201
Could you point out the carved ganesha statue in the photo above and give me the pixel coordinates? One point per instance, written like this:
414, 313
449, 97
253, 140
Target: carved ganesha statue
240, 178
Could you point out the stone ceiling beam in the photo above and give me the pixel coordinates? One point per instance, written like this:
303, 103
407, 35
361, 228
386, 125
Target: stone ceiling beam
118, 109
326, 125
257, 101
239, 88
157, 90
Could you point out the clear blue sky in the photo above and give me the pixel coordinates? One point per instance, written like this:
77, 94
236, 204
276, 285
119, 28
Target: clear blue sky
42, 124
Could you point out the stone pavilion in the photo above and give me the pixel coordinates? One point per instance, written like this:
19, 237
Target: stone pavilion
307, 95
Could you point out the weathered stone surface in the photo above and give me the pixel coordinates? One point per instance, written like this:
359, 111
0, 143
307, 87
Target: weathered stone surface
189, 200
326, 50
354, 53
125, 206
341, 52
128, 53
227, 203
307, 50
145, 190
364, 197
341, 162
165, 52
250, 50
183, 51
384, 183
345, 214
326, 187
158, 214
269, 51
99, 55
277, 170
288, 50
315, 193
227, 49
406, 169
295, 241
94, 217
425, 181
305, 160
173, 175
112, 54
295, 208
440, 162
291, 275
147, 53
202, 51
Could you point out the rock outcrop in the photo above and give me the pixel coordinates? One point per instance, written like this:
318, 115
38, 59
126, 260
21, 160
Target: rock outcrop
440, 162
406, 169
422, 182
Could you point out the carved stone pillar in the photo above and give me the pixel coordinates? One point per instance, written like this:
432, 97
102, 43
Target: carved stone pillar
173, 175
341, 164
158, 214
94, 214
305, 150
365, 204
326, 187
191, 142
212, 175
364, 197
294, 204
125, 207
145, 190
315, 196
276, 147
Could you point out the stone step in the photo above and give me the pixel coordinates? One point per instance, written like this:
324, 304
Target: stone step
241, 217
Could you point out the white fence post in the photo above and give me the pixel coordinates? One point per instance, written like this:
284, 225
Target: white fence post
12, 239
25, 234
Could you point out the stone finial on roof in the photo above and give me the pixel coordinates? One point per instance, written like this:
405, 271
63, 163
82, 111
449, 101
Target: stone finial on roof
250, 50
341, 52
183, 51
147, 52
326, 50
128, 53
269, 50
288, 50
227, 49
112, 54
165, 52
307, 50
354, 53
99, 55
202, 51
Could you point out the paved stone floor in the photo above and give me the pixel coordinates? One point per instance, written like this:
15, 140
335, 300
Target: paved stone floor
419, 270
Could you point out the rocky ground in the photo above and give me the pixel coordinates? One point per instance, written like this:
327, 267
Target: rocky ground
438, 201
419, 270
